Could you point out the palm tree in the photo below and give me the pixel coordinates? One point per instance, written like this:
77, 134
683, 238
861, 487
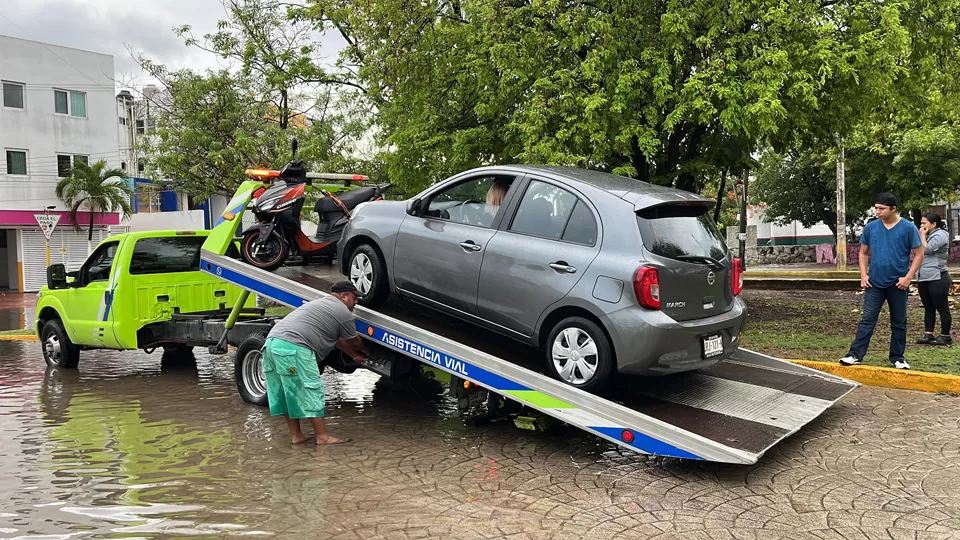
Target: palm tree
96, 188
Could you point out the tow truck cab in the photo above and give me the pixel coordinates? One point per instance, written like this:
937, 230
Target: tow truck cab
130, 281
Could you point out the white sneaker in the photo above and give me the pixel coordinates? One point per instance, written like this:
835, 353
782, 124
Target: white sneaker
901, 364
849, 360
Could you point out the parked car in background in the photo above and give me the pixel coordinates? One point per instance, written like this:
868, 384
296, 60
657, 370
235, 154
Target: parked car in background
604, 274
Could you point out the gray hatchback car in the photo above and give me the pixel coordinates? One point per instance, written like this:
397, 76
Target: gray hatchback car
604, 274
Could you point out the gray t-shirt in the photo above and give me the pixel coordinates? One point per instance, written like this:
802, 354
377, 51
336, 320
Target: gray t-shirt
317, 325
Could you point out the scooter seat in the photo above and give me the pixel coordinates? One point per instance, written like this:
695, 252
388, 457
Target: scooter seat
350, 199
356, 196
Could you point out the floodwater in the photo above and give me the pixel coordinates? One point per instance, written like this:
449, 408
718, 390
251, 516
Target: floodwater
141, 446
17, 310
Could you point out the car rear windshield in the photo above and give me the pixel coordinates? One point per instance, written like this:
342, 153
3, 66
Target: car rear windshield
166, 254
674, 231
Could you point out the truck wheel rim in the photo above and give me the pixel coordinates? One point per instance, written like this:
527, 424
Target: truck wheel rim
253, 378
575, 356
361, 273
52, 348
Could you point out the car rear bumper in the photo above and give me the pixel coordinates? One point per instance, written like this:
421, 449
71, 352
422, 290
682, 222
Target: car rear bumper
652, 343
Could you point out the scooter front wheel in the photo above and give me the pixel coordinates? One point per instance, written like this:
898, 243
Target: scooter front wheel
267, 256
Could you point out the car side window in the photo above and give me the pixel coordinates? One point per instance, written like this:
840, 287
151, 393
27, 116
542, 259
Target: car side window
548, 211
582, 226
475, 201
97, 268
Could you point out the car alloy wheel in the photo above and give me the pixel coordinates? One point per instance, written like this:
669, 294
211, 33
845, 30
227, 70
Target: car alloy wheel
361, 273
575, 356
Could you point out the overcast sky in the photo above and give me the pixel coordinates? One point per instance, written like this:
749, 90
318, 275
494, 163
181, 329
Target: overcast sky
112, 26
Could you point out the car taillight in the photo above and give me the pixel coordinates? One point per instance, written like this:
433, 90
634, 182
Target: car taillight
646, 285
736, 276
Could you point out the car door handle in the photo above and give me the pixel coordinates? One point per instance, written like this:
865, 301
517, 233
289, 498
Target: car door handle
469, 246
563, 268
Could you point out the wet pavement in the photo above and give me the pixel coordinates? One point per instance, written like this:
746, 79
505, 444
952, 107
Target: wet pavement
142, 446
17, 310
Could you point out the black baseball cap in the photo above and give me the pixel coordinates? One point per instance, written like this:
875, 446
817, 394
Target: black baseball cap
344, 286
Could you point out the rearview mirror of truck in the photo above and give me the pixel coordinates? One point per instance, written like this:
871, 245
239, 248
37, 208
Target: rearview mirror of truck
56, 277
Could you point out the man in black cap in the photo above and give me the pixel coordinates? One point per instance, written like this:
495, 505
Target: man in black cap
313, 334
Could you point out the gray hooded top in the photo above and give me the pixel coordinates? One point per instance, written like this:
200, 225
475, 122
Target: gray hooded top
934, 256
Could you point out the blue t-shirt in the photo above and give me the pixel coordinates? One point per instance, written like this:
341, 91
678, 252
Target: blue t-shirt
889, 250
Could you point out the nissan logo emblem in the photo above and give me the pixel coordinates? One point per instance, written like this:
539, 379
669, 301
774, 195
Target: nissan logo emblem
711, 278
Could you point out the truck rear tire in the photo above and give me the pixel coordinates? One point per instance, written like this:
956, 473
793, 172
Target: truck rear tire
248, 370
58, 350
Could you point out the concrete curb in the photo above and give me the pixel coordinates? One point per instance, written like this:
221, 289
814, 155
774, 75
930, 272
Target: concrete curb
902, 379
30, 337
869, 375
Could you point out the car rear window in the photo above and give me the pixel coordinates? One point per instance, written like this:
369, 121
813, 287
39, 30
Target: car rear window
166, 254
680, 230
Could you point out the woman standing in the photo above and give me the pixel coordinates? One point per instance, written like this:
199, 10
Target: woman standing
934, 280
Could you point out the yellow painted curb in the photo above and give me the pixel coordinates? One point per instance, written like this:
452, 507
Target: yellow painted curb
903, 379
15, 337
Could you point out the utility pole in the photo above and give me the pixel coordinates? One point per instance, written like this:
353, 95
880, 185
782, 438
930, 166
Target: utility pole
841, 212
742, 236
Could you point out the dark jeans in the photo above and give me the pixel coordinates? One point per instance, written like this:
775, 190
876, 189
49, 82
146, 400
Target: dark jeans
935, 296
873, 299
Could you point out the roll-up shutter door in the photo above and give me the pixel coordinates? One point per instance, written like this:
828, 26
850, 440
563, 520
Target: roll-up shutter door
66, 246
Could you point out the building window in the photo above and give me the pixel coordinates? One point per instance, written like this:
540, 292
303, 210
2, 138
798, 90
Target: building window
123, 121
12, 95
64, 165
72, 103
16, 162
60, 102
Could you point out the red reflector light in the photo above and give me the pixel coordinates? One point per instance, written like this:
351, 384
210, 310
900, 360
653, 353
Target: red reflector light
627, 436
736, 276
646, 287
258, 193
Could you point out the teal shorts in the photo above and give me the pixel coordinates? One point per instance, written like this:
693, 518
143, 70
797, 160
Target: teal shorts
294, 386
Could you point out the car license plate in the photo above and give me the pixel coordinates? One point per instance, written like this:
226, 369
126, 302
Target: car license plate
712, 346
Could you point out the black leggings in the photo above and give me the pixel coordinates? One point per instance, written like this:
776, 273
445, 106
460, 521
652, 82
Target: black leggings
934, 295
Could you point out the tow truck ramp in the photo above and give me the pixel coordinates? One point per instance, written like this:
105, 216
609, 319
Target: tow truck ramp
731, 412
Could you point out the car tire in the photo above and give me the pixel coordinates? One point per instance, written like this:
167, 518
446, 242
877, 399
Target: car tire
367, 273
248, 370
592, 350
58, 350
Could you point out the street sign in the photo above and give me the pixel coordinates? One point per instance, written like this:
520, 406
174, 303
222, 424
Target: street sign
741, 236
47, 223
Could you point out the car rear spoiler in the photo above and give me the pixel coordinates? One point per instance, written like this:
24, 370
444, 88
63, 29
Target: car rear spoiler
648, 201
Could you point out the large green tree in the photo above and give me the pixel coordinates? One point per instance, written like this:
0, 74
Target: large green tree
212, 126
671, 92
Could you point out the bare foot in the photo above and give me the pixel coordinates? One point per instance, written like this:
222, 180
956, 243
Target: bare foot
331, 440
300, 439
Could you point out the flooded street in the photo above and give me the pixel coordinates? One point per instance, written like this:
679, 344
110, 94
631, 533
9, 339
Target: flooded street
135, 446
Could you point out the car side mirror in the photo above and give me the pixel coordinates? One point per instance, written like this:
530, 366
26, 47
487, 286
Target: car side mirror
413, 207
56, 277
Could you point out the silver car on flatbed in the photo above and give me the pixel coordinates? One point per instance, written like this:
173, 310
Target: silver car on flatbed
605, 274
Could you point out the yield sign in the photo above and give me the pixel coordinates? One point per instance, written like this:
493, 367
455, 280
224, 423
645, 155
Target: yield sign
47, 223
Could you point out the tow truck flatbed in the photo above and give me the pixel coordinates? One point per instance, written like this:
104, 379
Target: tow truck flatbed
732, 412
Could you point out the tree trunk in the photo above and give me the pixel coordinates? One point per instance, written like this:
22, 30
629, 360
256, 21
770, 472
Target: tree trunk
716, 211
90, 232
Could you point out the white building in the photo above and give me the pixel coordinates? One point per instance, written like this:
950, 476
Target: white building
58, 105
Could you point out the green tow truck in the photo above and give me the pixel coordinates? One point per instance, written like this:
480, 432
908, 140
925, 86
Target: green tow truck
145, 291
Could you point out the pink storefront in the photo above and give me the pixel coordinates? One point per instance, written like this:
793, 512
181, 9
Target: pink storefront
23, 248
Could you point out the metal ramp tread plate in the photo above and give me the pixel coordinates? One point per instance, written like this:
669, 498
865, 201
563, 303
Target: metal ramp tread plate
732, 412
